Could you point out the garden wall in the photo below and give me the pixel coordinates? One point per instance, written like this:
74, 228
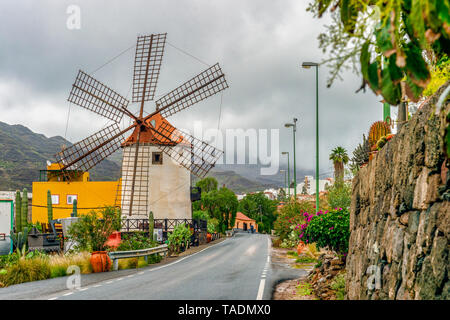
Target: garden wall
400, 216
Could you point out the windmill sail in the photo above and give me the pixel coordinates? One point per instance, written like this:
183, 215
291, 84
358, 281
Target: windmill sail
202, 86
92, 95
195, 155
88, 152
147, 65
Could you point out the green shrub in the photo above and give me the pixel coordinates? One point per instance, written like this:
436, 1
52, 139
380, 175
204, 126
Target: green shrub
135, 241
200, 215
180, 235
291, 214
93, 229
213, 225
330, 229
8, 260
339, 195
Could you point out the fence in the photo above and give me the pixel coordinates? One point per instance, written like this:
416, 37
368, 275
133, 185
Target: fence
167, 225
129, 225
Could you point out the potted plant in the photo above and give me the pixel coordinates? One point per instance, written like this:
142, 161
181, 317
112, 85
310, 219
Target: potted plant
91, 233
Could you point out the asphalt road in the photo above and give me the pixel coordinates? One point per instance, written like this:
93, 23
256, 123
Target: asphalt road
237, 268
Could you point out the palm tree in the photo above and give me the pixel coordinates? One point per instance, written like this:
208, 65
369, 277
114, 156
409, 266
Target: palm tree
339, 157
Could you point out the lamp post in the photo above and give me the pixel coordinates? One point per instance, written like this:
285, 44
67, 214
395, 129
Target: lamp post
285, 184
308, 65
289, 174
294, 130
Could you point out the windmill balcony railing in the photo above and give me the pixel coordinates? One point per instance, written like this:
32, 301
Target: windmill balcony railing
167, 225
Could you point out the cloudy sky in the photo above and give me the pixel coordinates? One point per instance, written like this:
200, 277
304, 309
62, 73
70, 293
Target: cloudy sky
259, 44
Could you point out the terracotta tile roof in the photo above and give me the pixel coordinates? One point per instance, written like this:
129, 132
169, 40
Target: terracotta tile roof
241, 216
148, 136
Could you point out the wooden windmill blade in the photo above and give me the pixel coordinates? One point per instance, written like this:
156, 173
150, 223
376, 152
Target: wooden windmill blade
134, 185
88, 152
147, 65
202, 86
92, 95
194, 154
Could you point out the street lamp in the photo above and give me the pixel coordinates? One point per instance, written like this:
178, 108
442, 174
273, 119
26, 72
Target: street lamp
308, 65
289, 174
294, 127
285, 184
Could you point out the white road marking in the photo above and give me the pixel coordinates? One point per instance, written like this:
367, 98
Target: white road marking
96, 286
130, 276
175, 262
118, 279
83, 289
261, 289
54, 298
142, 272
108, 282
68, 294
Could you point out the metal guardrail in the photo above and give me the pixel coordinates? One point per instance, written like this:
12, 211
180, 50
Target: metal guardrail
116, 255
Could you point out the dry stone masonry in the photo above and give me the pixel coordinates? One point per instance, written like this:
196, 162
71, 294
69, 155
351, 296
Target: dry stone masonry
400, 215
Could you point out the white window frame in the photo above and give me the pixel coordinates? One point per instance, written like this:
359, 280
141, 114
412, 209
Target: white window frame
74, 196
55, 196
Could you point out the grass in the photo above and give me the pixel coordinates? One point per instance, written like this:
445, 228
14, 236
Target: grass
304, 260
59, 263
338, 284
304, 289
133, 263
26, 270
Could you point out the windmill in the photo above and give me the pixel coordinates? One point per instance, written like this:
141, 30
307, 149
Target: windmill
151, 135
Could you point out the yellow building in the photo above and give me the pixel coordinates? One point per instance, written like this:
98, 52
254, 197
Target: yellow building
90, 195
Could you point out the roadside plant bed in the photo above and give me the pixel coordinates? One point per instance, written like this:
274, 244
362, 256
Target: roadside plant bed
35, 265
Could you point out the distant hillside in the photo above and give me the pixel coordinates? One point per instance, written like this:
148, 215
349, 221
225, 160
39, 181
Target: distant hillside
24, 153
235, 182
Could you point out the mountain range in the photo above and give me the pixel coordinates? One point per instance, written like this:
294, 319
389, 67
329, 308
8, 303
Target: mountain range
24, 153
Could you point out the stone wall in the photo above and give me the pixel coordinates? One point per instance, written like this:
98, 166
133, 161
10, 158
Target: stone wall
400, 215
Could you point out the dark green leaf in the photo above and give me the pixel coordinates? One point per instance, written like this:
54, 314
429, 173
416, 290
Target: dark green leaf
365, 60
394, 71
373, 76
416, 65
383, 37
417, 23
391, 92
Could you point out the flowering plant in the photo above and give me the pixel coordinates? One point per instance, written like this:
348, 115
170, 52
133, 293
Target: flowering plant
329, 228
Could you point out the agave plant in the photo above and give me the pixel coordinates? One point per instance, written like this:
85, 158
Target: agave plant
360, 155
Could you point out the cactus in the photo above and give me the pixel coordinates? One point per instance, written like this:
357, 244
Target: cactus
18, 211
377, 130
24, 209
49, 207
360, 155
20, 240
151, 225
74, 210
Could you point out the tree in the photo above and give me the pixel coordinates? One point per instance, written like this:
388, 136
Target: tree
221, 204
339, 195
393, 43
340, 158
207, 184
258, 207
